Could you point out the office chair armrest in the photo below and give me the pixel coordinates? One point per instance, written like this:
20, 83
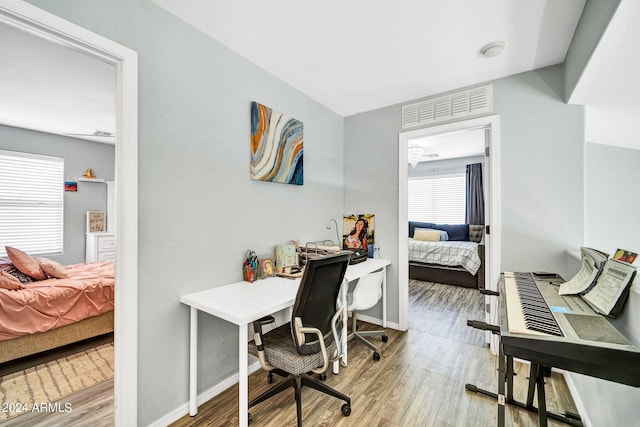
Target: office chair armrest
323, 347
257, 336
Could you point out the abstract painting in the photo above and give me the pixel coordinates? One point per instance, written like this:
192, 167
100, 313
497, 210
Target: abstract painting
276, 146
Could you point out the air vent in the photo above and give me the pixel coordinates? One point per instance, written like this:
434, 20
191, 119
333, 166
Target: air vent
466, 103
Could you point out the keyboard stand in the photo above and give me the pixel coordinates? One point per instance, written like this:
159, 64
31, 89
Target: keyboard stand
505, 384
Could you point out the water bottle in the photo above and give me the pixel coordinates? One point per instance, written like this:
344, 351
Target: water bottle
376, 251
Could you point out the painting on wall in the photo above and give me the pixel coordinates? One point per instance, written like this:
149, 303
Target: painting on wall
70, 184
359, 232
276, 146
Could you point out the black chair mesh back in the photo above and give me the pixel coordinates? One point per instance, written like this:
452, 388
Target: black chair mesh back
316, 299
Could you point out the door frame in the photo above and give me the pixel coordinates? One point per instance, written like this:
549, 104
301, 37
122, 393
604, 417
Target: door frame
29, 18
492, 172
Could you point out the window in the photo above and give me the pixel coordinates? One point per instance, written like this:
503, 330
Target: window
31, 202
438, 199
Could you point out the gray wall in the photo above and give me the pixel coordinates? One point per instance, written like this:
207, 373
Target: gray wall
542, 143
78, 156
595, 17
198, 208
611, 223
542, 193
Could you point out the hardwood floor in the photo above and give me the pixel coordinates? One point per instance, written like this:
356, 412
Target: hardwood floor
90, 407
419, 380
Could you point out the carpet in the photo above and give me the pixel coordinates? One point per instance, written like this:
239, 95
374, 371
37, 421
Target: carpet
52, 381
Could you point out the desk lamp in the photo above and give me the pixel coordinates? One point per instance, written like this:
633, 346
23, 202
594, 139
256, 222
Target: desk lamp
337, 235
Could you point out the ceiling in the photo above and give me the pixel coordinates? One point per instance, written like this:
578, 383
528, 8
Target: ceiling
452, 145
351, 57
359, 55
51, 88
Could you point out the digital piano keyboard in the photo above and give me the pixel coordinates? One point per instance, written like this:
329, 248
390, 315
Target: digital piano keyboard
552, 331
539, 325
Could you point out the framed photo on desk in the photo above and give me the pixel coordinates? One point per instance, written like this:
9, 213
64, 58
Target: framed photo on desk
359, 232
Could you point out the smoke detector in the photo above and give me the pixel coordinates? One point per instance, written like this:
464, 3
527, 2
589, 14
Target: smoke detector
492, 49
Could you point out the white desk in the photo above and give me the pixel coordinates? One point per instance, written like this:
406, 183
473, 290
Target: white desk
242, 303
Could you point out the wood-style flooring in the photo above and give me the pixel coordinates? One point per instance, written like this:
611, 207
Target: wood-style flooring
419, 380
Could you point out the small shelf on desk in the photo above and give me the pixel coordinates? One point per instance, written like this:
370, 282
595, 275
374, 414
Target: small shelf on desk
83, 179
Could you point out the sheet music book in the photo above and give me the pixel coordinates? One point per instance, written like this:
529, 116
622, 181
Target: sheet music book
611, 289
591, 266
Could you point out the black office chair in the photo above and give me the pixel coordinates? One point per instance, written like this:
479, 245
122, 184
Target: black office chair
306, 345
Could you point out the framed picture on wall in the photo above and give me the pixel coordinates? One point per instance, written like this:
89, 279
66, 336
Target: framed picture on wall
96, 221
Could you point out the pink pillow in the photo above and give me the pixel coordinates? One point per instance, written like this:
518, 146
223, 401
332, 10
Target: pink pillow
25, 263
52, 268
7, 281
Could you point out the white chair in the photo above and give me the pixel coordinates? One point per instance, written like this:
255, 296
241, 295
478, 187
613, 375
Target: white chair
365, 295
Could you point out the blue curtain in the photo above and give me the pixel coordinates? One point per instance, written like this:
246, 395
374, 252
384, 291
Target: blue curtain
475, 195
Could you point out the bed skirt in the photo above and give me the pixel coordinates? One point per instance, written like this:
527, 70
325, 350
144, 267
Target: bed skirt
28, 345
449, 275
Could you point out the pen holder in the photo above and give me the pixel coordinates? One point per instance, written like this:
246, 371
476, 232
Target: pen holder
248, 273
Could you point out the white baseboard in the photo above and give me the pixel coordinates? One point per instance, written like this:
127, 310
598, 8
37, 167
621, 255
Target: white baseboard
203, 397
376, 321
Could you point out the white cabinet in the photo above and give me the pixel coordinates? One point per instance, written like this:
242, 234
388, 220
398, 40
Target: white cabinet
100, 247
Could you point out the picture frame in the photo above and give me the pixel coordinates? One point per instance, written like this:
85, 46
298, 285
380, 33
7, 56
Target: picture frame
359, 232
96, 222
70, 185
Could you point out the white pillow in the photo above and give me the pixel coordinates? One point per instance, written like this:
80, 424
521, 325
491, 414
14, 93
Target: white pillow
427, 235
52, 268
443, 234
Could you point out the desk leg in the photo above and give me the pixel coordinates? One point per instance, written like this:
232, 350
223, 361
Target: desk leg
345, 335
384, 298
193, 363
243, 373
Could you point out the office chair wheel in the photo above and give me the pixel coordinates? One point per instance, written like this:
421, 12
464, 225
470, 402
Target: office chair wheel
270, 378
346, 409
322, 376
249, 418
376, 356
385, 338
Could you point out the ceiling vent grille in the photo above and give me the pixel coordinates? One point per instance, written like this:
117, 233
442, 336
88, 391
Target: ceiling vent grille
466, 103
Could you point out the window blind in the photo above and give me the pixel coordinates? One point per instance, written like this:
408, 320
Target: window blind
31, 203
438, 199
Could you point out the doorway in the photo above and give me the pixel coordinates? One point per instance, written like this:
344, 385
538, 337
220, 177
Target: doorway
491, 127
26, 17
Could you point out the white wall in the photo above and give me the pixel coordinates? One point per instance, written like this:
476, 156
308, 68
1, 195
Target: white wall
199, 211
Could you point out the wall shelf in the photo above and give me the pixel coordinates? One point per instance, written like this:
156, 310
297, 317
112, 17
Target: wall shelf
91, 179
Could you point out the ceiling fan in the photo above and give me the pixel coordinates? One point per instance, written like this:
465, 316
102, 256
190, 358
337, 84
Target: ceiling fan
99, 133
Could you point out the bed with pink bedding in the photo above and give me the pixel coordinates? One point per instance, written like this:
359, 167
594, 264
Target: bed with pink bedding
49, 313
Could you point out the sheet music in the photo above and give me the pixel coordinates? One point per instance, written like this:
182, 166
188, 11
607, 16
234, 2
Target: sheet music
610, 285
592, 262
